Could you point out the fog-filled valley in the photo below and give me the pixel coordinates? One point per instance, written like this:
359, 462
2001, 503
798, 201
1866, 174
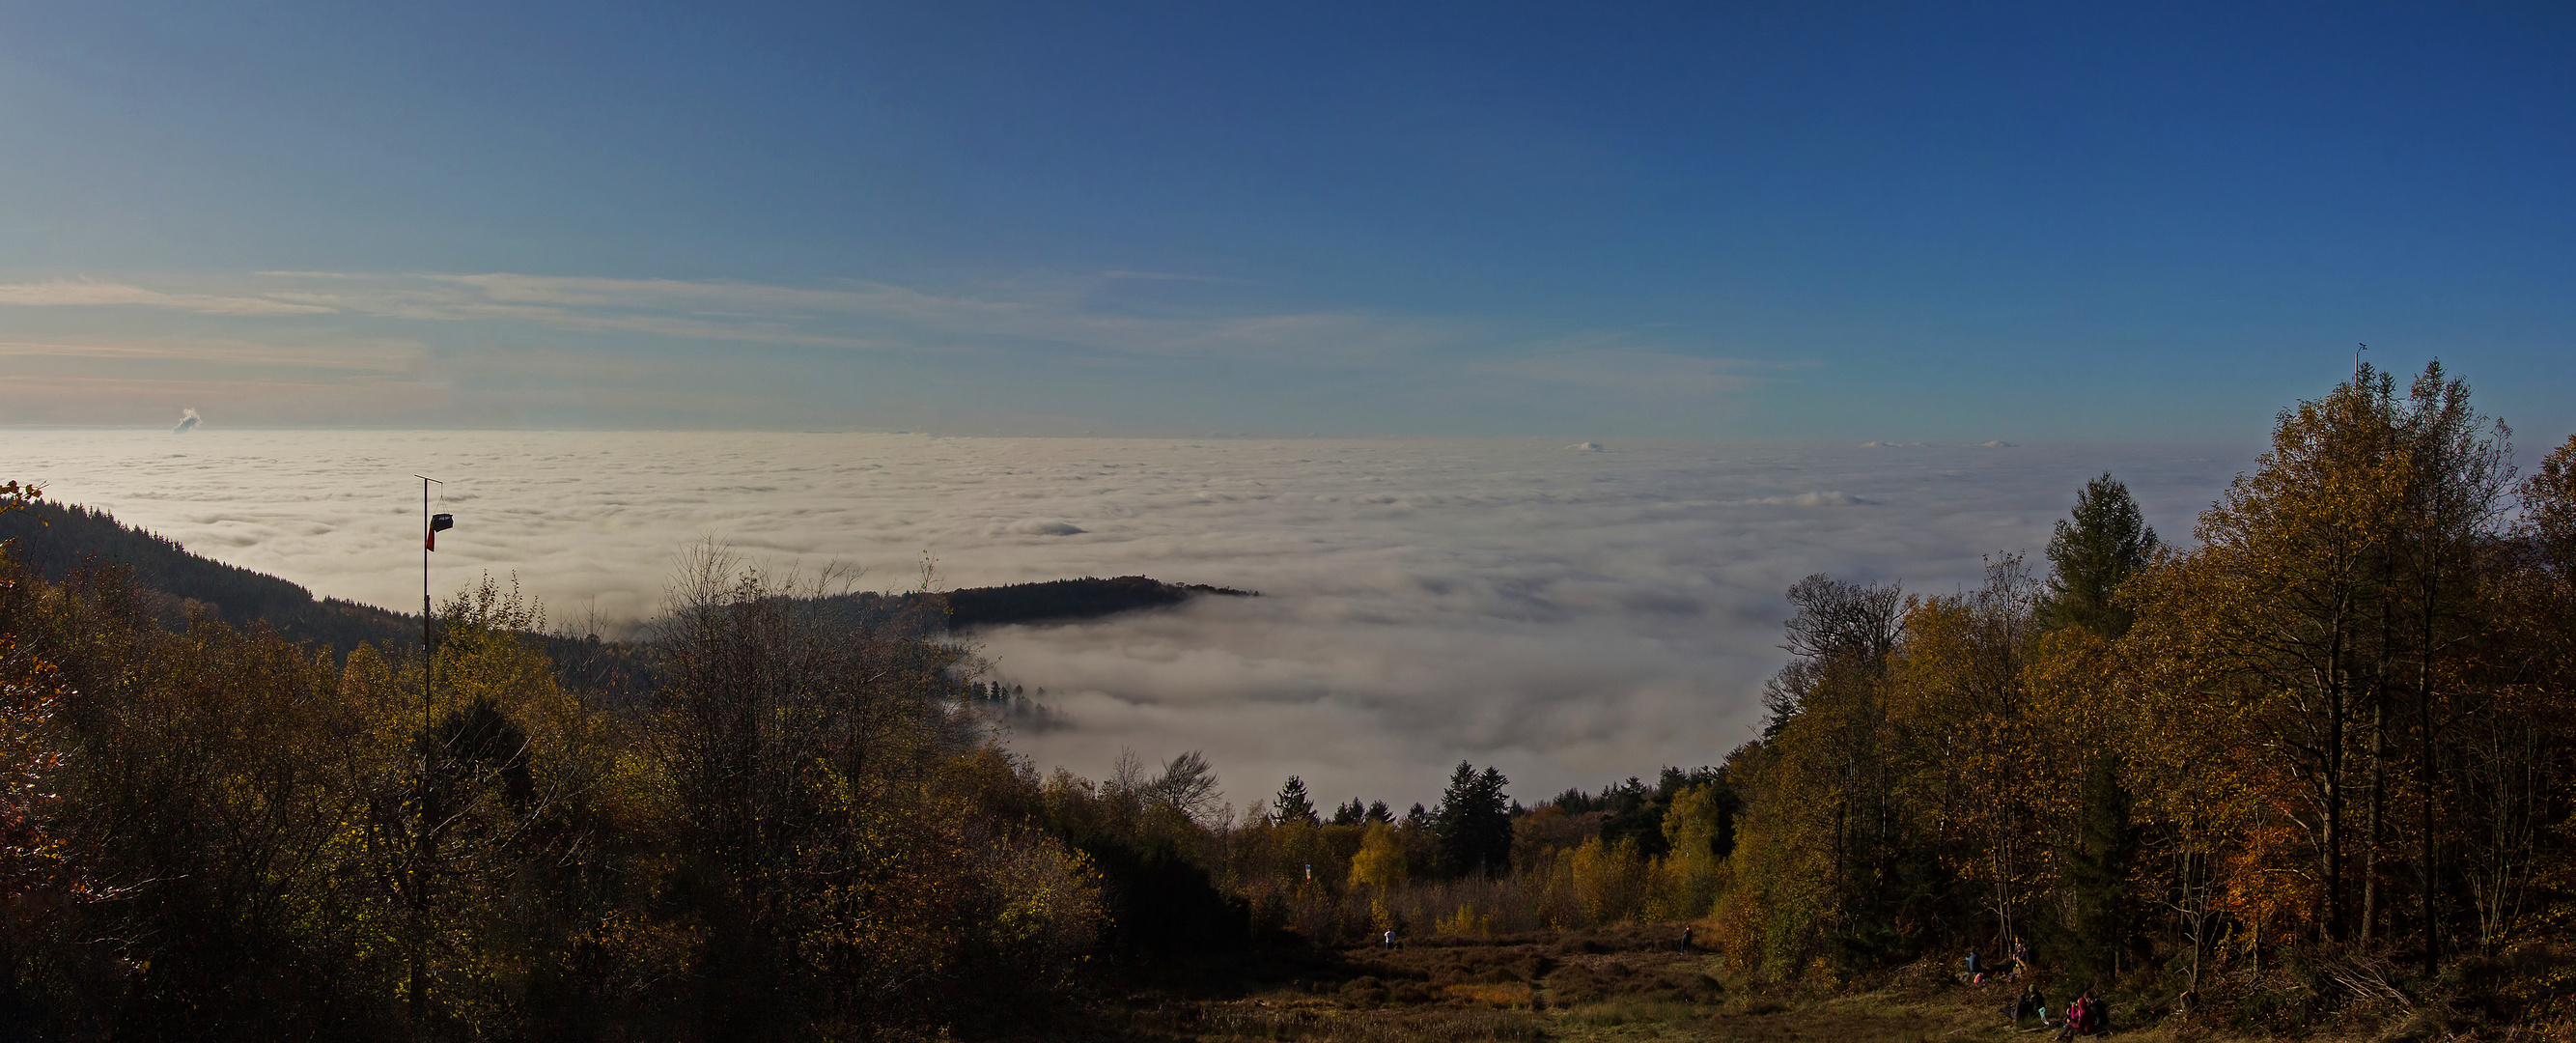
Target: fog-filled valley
1569, 611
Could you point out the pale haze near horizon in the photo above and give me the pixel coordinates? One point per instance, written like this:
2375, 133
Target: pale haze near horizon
1571, 612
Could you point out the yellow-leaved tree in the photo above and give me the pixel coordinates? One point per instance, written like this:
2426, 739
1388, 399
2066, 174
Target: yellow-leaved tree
1379, 867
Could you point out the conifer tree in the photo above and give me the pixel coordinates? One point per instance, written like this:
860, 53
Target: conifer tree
1292, 804
2106, 541
1474, 823
2096, 873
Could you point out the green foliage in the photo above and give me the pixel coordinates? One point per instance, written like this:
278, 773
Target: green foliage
1474, 823
2102, 928
1293, 806
2104, 543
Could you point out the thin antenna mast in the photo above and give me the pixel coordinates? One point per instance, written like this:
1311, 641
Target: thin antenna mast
429, 526
428, 540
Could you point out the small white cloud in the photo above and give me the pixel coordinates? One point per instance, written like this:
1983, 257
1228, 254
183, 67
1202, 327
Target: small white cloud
1996, 444
1585, 447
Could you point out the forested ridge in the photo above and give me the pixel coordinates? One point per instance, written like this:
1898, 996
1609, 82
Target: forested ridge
2310, 770
54, 539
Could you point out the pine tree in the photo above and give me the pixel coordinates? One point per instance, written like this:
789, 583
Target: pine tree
1292, 805
2106, 541
1474, 823
1349, 814
2097, 872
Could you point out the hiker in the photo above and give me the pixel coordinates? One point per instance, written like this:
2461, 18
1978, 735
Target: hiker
1976, 970
1686, 936
2025, 1005
1390, 941
2021, 956
2087, 1016
2079, 1014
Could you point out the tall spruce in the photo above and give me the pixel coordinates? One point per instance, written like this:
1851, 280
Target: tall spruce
1292, 804
1473, 824
2106, 541
2096, 870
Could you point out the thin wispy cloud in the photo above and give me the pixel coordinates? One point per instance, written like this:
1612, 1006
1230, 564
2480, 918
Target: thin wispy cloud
1042, 344
70, 293
340, 353
1163, 276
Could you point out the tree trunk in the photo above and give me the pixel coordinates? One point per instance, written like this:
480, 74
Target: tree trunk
2430, 880
2378, 815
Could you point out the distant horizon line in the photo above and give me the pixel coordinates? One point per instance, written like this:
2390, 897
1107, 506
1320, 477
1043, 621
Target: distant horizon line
1578, 442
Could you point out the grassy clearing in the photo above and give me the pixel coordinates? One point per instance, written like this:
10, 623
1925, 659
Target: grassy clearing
1609, 985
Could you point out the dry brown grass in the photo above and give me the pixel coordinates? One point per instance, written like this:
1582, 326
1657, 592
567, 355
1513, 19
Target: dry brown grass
1605, 985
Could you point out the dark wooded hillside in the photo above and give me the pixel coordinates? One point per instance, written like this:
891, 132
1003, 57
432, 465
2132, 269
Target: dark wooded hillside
1062, 600
56, 539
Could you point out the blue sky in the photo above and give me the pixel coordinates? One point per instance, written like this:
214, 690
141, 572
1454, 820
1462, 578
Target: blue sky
1940, 221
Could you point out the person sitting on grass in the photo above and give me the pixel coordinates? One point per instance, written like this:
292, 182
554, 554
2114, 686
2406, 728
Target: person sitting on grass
2087, 1016
1976, 970
2025, 1005
2075, 1015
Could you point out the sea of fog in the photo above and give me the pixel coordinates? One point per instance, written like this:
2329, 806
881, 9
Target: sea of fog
1573, 613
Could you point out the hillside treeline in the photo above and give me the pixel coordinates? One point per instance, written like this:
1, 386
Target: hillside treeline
2314, 764
2318, 763
2317, 759
53, 539
216, 833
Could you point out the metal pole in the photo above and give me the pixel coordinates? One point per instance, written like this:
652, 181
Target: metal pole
419, 980
426, 616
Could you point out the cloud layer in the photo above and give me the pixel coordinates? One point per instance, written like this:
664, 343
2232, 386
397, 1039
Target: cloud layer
1570, 615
